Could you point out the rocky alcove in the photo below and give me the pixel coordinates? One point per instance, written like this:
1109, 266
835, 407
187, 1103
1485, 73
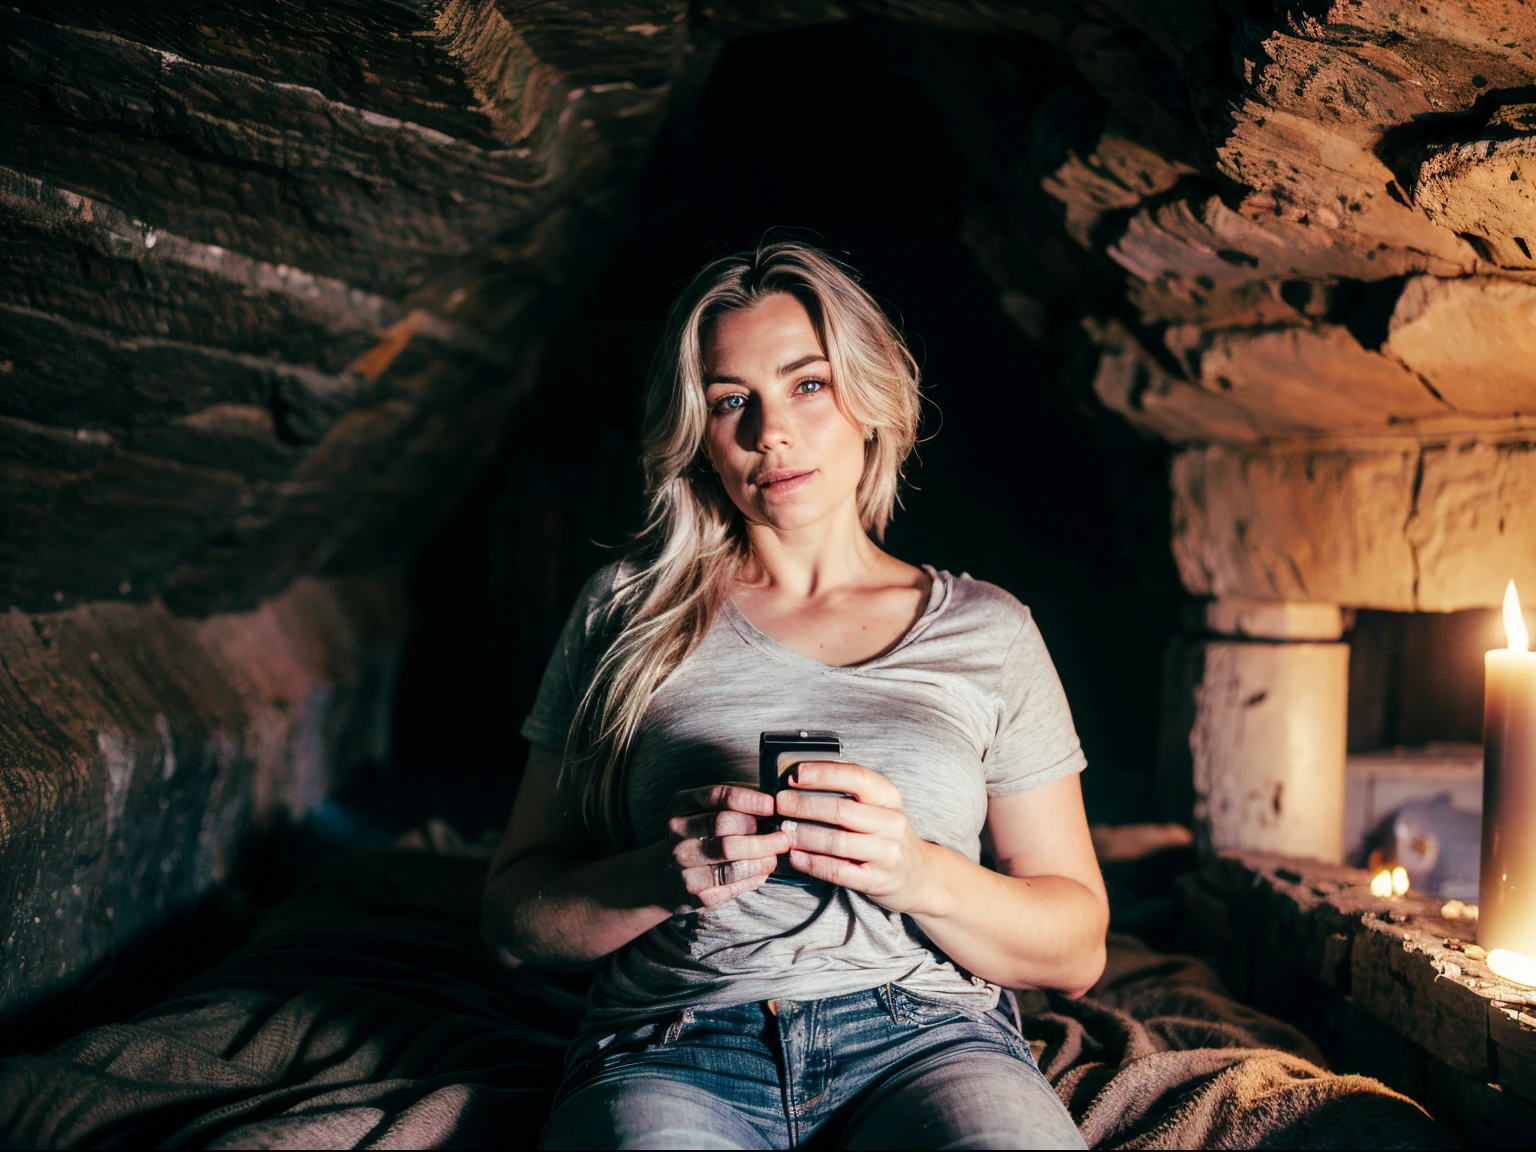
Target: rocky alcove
321, 329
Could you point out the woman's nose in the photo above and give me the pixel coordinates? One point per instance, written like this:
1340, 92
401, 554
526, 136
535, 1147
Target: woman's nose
775, 429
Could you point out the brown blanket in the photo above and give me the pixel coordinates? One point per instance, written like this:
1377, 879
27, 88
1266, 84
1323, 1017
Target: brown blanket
365, 1013
1158, 1056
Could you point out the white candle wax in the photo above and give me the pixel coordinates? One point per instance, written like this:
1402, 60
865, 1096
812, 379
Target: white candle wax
1507, 885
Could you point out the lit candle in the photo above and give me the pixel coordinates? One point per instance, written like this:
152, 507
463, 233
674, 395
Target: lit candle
1507, 885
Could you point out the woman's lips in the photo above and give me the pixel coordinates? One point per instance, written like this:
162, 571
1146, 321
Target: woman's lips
784, 481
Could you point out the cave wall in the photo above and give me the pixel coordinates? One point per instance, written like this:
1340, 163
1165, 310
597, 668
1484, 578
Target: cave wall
140, 750
1307, 257
273, 279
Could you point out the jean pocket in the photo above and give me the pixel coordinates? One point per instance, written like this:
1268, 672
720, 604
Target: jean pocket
651, 1036
910, 1007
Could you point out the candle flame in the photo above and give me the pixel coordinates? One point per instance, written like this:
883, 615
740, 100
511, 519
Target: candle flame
1514, 621
1513, 967
1390, 882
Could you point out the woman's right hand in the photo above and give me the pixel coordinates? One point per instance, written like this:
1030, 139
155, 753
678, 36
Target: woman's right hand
713, 850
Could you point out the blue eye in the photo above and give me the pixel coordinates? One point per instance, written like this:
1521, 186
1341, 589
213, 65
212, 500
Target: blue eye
810, 387
731, 403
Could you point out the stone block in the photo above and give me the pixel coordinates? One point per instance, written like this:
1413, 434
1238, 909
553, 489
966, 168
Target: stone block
1268, 747
1274, 619
1472, 529
1432, 528
1323, 524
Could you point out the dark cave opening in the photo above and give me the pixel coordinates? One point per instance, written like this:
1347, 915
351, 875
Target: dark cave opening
1019, 480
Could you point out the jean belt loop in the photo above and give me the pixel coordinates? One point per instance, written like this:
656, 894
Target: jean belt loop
1010, 1000
890, 1002
675, 1029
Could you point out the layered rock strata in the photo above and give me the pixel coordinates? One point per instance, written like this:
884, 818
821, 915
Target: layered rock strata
272, 279
1307, 256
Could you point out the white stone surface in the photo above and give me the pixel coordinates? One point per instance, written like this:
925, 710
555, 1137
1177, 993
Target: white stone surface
1269, 747
1275, 619
1298, 524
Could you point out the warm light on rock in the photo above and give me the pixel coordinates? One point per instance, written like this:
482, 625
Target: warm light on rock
1513, 967
1399, 881
1457, 910
1381, 884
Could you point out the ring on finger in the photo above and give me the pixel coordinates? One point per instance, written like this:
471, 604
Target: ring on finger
722, 875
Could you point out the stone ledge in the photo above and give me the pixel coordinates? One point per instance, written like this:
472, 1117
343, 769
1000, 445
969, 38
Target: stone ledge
1366, 975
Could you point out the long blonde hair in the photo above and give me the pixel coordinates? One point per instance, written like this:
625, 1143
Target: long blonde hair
694, 541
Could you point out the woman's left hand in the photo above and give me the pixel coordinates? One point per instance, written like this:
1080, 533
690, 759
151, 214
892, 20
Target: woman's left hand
870, 847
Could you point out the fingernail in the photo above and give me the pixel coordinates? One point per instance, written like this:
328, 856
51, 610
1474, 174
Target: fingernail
788, 827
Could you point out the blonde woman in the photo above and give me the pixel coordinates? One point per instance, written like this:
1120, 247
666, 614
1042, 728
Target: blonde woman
859, 1007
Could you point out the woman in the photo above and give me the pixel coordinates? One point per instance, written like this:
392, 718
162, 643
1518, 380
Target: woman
860, 1006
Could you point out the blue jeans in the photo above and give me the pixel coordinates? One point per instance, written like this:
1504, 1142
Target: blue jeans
879, 1069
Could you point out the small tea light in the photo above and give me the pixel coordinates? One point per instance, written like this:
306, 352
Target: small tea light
1390, 883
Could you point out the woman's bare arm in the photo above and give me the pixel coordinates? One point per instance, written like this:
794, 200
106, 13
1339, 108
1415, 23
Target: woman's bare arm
552, 898
1038, 922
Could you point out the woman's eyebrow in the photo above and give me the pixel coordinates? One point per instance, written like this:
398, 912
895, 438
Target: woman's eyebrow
796, 365
792, 366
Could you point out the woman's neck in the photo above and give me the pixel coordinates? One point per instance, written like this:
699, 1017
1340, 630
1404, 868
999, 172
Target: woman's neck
833, 553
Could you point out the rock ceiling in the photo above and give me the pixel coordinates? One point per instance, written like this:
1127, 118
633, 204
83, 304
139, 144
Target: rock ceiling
273, 277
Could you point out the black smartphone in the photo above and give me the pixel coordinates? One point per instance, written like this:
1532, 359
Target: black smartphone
777, 755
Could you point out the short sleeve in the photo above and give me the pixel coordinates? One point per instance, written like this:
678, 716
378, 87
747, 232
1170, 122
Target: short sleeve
569, 666
1035, 741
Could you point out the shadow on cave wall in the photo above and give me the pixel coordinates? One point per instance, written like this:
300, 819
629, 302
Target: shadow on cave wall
1023, 482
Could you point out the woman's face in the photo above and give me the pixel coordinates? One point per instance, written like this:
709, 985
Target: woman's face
786, 453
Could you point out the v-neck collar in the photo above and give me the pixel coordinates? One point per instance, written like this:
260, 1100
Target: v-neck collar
938, 596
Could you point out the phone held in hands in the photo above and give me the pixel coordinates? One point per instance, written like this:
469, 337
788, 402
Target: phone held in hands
778, 755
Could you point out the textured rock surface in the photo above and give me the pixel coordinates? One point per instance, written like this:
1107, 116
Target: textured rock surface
139, 750
1297, 227
342, 229
1309, 524
271, 282
1434, 527
1268, 747
1473, 340
272, 278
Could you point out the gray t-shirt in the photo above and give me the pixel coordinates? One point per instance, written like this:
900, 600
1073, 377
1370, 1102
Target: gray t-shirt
965, 706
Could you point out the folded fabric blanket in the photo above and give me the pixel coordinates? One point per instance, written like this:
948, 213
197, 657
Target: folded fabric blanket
1158, 1056
366, 1013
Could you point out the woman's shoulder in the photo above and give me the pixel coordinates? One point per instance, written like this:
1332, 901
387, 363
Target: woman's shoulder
602, 588
602, 584
980, 606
